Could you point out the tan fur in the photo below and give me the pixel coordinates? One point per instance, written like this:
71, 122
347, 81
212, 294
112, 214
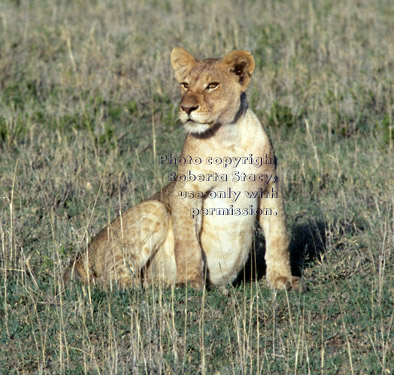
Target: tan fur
159, 240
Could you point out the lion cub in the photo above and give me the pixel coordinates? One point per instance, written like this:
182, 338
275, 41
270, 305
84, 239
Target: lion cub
199, 228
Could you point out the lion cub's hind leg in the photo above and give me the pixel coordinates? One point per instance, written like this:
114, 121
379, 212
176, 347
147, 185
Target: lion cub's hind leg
139, 235
118, 254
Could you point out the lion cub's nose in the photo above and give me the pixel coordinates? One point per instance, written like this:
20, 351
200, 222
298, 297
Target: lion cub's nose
189, 109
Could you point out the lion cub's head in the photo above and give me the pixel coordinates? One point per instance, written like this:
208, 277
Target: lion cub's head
211, 89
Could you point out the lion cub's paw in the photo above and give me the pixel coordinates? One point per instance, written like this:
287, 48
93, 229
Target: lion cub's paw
196, 282
285, 282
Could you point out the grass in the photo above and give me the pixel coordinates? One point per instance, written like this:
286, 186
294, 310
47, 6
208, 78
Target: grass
88, 101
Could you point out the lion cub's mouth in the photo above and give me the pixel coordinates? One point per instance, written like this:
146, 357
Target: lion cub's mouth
195, 127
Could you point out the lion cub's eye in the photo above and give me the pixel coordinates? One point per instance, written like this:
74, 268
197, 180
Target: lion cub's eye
185, 85
212, 85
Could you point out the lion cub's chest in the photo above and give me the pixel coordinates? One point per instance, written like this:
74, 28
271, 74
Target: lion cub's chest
229, 211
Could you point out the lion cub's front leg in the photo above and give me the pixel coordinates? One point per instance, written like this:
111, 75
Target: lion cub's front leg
277, 255
188, 251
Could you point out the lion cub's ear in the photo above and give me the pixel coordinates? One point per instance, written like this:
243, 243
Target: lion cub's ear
242, 64
182, 63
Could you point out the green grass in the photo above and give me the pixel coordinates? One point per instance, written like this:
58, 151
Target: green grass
88, 101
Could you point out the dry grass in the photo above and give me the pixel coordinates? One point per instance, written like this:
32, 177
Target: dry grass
88, 100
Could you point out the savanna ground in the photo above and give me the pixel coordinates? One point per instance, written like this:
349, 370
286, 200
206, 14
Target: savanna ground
87, 103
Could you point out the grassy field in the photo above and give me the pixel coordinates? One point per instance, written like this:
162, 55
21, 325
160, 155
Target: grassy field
88, 101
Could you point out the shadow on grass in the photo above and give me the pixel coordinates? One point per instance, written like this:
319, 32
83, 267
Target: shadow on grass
308, 242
